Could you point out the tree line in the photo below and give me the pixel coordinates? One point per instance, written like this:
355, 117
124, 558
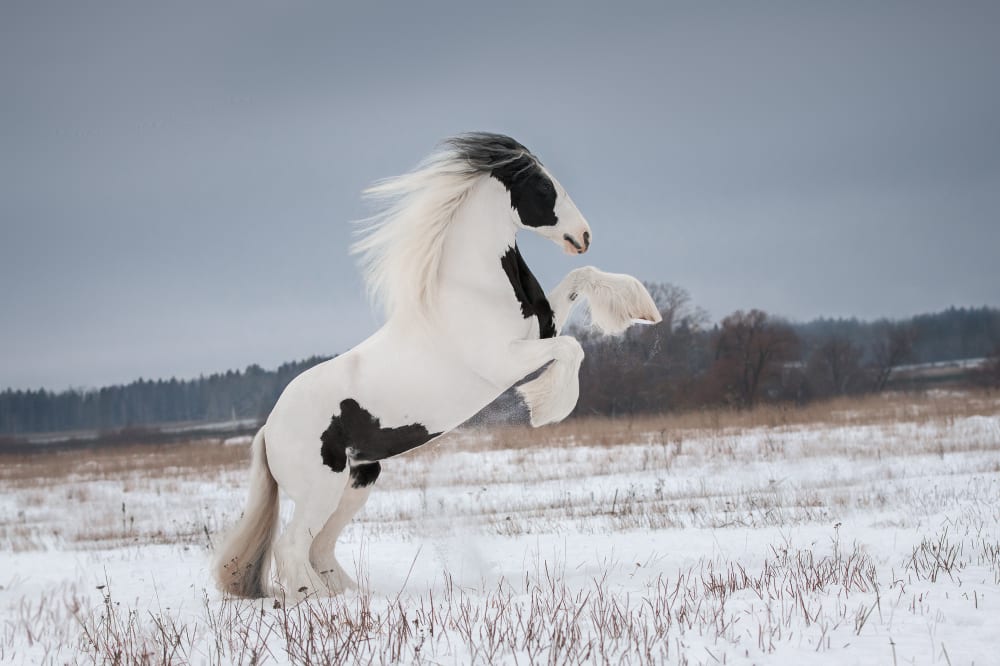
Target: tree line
218, 397
683, 362
750, 356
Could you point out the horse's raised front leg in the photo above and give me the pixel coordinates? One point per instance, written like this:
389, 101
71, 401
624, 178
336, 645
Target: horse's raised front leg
552, 395
616, 300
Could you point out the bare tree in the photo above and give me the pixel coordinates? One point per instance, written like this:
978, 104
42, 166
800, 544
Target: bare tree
988, 374
834, 368
749, 348
650, 368
674, 304
893, 348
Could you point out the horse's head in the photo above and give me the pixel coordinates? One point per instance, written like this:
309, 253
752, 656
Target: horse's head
542, 205
537, 201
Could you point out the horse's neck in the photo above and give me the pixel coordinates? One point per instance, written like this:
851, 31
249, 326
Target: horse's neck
479, 234
473, 298
475, 309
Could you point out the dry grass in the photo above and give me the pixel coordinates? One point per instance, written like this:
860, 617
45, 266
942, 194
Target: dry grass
142, 461
208, 456
886, 409
540, 618
820, 601
121, 487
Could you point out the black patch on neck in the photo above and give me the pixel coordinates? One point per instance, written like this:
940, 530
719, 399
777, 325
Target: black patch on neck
532, 193
363, 476
357, 431
528, 292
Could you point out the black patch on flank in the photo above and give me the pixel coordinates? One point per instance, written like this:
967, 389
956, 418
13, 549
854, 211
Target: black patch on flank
532, 193
334, 448
356, 429
528, 292
363, 476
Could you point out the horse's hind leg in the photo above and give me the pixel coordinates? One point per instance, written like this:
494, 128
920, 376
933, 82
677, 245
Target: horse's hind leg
323, 553
295, 572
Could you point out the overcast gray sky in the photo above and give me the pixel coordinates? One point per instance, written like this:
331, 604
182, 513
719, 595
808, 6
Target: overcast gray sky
177, 180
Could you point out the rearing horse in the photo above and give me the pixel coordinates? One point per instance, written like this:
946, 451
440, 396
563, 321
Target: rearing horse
465, 321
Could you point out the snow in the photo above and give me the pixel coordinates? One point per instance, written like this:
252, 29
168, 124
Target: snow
817, 544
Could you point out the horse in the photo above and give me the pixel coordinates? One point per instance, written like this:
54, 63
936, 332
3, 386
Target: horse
465, 320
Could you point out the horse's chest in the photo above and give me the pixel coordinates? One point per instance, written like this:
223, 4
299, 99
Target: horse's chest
529, 294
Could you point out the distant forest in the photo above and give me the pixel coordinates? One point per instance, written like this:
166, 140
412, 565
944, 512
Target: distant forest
236, 394
682, 363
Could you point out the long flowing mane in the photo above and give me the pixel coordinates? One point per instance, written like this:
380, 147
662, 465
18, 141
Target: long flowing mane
401, 245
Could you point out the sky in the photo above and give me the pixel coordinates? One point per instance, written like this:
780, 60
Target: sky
178, 180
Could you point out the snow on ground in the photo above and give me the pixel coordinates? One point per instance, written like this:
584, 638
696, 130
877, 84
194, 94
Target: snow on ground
844, 542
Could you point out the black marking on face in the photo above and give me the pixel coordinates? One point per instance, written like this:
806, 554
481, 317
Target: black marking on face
528, 292
532, 192
363, 476
357, 431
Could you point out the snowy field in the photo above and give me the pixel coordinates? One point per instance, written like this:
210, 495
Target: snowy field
864, 532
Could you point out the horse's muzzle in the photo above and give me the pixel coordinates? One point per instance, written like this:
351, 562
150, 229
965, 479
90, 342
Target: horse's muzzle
573, 246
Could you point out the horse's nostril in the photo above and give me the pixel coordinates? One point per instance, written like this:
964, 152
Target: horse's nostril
586, 239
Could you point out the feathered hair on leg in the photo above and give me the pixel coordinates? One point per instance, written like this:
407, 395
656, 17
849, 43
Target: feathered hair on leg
617, 301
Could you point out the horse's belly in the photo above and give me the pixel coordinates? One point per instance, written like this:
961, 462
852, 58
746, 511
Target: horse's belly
405, 386
378, 400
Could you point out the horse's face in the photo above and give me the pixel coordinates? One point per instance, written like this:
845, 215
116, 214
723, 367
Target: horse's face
570, 230
539, 203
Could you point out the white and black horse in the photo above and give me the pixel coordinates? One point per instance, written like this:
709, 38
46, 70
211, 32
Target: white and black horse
465, 321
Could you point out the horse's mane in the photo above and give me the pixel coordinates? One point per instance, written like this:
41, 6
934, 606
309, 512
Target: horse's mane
401, 246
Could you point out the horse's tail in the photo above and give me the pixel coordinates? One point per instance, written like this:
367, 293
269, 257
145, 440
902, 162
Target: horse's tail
243, 561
